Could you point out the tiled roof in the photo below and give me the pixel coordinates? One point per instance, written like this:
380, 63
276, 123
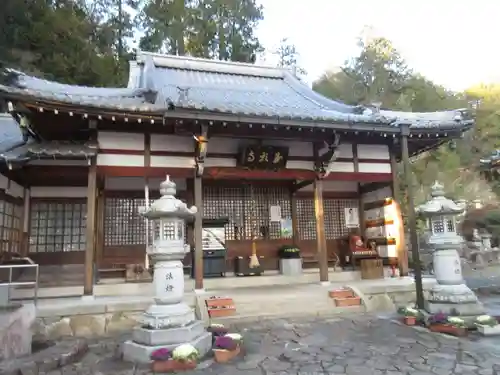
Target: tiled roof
129, 99
250, 90
49, 150
226, 88
10, 134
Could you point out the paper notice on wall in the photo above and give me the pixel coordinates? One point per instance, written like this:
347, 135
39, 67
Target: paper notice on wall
351, 217
275, 214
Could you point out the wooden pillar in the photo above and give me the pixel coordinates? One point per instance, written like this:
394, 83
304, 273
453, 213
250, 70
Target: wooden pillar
147, 165
198, 235
395, 182
412, 221
295, 222
88, 286
320, 230
100, 212
25, 224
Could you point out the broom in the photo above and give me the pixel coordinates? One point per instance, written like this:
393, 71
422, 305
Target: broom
254, 260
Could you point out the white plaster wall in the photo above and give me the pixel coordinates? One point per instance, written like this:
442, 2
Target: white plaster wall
58, 192
120, 141
171, 161
167, 142
374, 168
11, 187
373, 152
120, 160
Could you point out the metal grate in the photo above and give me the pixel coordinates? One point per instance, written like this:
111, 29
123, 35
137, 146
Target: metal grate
123, 225
57, 226
247, 210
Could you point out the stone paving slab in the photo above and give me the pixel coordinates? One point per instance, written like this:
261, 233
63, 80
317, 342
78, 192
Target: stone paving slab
365, 345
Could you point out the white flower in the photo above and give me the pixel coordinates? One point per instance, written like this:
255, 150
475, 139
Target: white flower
455, 320
216, 325
235, 336
411, 310
185, 352
484, 318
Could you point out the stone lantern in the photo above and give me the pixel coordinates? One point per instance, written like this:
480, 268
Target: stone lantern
450, 295
169, 321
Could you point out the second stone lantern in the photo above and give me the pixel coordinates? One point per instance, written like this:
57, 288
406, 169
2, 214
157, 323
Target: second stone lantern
169, 321
450, 295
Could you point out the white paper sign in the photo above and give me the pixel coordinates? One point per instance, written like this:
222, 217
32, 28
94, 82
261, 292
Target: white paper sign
351, 217
275, 213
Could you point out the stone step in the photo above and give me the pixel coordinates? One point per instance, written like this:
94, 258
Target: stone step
261, 314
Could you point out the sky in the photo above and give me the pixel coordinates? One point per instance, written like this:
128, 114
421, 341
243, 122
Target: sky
453, 43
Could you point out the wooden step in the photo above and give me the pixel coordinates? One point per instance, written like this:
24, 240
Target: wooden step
341, 293
348, 301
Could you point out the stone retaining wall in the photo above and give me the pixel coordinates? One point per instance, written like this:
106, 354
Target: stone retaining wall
90, 318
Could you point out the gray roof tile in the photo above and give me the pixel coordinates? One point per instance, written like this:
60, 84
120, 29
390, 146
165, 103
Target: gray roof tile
10, 133
129, 99
227, 88
250, 90
48, 150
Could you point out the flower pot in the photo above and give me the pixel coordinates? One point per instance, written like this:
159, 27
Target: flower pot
341, 293
410, 320
449, 329
224, 356
349, 301
488, 330
172, 365
291, 266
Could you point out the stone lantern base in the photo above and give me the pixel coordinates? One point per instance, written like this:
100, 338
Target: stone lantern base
455, 300
146, 340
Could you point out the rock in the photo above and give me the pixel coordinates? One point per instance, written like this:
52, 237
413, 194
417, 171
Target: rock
59, 329
119, 322
88, 325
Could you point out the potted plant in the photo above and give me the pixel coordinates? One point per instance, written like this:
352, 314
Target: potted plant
443, 323
290, 260
410, 315
487, 325
217, 330
225, 349
182, 358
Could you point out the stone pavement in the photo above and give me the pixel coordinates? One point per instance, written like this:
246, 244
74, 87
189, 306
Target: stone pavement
365, 345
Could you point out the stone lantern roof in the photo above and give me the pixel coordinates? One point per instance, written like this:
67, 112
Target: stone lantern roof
439, 204
168, 206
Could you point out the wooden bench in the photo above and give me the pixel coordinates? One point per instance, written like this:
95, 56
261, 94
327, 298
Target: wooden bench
312, 257
112, 267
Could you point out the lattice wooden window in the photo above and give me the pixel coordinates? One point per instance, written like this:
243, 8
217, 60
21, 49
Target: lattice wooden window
123, 225
57, 226
225, 202
306, 219
10, 219
335, 216
247, 211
